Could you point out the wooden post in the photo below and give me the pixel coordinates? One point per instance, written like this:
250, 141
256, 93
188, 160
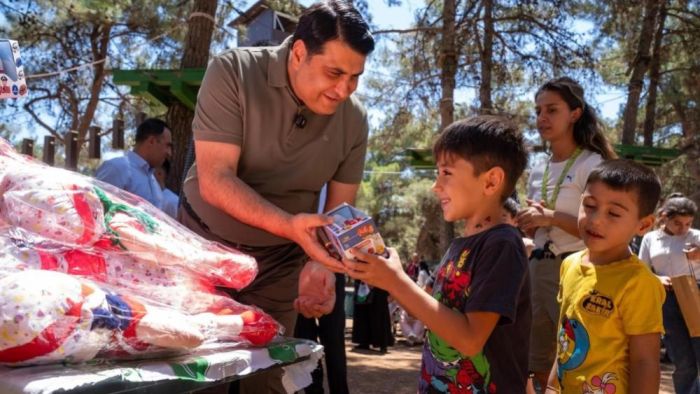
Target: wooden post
49, 149
118, 134
28, 147
94, 145
71, 143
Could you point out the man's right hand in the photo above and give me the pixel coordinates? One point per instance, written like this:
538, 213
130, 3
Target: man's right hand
303, 227
316, 291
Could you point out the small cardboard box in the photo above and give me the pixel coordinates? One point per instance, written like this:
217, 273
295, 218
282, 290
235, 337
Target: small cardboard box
351, 228
12, 81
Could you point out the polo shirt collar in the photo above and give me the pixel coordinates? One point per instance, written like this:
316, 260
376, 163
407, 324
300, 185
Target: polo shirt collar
138, 161
277, 67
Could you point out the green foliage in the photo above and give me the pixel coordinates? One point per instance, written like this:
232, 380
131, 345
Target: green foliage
58, 35
394, 198
616, 40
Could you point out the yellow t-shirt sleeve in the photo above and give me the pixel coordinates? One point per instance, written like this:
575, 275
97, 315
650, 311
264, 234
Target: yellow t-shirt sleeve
563, 268
641, 306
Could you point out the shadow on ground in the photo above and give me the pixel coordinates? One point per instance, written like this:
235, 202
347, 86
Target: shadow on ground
370, 372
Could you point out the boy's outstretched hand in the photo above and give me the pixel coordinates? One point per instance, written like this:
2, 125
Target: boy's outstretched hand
375, 270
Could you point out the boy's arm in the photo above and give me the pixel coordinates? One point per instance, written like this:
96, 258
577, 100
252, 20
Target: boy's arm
644, 363
553, 383
467, 333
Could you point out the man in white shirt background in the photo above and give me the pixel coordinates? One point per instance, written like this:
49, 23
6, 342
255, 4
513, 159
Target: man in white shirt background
134, 171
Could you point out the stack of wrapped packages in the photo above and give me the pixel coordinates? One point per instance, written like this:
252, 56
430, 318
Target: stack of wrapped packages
88, 271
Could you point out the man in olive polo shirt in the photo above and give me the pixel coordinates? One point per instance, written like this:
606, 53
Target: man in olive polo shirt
271, 127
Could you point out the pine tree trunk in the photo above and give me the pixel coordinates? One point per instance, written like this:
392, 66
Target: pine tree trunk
654, 76
448, 57
487, 60
428, 243
639, 67
99, 41
690, 145
196, 54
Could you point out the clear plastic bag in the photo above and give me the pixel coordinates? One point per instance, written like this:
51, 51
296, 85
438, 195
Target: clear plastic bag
88, 270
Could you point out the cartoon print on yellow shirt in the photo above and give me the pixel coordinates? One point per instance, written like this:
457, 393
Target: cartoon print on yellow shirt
574, 344
601, 385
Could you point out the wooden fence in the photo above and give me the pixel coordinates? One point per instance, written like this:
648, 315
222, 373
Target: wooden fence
72, 145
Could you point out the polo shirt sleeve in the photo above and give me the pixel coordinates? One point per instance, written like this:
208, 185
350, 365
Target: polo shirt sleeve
350, 169
113, 173
218, 116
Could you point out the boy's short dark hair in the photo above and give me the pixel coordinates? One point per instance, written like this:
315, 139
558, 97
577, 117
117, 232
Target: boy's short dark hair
630, 176
149, 127
486, 141
334, 19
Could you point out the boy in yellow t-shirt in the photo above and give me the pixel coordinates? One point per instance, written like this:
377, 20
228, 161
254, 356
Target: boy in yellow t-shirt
610, 318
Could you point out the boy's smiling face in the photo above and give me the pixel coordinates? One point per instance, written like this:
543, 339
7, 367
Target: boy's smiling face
607, 220
457, 187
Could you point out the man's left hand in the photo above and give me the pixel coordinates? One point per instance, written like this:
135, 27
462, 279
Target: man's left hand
316, 291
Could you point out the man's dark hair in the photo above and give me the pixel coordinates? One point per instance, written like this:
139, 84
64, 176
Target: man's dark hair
149, 127
335, 19
629, 176
166, 167
486, 142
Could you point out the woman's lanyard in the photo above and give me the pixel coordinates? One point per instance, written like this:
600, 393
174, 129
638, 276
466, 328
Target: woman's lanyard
545, 179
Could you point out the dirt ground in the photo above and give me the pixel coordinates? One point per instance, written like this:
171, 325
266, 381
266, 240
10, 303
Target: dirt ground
397, 371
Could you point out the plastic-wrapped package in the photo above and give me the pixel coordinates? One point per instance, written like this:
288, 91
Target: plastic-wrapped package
88, 270
57, 206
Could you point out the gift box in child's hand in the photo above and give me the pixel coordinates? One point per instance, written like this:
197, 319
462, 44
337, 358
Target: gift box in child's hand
351, 228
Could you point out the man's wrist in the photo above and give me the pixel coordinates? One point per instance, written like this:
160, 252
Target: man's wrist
287, 228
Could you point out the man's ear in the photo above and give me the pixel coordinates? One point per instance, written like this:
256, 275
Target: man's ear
298, 53
645, 224
494, 180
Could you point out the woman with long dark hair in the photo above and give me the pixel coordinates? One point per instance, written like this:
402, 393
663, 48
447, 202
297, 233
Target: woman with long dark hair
573, 133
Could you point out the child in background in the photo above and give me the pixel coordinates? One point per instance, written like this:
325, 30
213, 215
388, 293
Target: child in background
478, 316
610, 322
672, 250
